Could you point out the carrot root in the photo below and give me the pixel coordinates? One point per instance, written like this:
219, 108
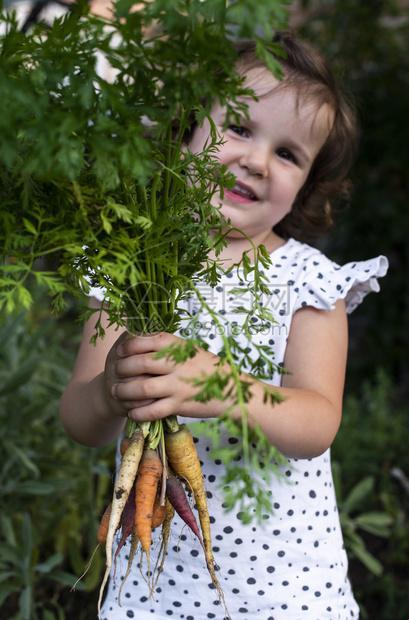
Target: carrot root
159, 513
127, 523
122, 488
165, 541
132, 553
104, 525
86, 568
183, 458
146, 487
176, 495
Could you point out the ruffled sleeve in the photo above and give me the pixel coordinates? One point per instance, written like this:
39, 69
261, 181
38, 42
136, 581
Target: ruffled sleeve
325, 282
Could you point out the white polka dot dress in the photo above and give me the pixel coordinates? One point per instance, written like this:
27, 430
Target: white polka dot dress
294, 567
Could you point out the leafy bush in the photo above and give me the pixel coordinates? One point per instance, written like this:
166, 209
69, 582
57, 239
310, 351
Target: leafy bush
51, 490
375, 522
373, 462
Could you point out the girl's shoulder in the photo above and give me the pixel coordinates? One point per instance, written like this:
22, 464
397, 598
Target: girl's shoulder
313, 279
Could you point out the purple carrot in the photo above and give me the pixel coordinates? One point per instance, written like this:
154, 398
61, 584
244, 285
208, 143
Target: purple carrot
177, 497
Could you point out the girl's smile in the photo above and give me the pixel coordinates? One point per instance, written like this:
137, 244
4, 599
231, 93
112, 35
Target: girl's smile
240, 193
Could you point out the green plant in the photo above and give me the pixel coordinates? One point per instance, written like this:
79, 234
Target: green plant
50, 488
369, 450
371, 433
352, 520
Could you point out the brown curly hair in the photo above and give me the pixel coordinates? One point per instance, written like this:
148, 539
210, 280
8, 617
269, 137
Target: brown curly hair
305, 69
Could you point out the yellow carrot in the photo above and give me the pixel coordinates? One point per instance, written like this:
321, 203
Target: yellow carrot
182, 456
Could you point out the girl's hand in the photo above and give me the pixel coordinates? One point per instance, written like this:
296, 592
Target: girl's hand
117, 405
147, 388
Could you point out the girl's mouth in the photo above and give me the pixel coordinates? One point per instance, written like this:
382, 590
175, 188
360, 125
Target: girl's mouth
240, 193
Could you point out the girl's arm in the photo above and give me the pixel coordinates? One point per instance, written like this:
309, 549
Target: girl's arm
303, 425
88, 412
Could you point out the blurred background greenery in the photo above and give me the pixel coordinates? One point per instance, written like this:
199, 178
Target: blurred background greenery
368, 44
52, 490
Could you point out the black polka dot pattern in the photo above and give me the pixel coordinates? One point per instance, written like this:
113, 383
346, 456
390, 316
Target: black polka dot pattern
294, 566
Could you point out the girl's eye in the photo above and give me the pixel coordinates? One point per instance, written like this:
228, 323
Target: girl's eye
239, 130
286, 154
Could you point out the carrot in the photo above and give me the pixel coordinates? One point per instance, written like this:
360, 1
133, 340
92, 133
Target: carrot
146, 487
103, 525
176, 495
182, 456
101, 538
159, 512
165, 539
123, 485
150, 471
132, 553
124, 445
127, 521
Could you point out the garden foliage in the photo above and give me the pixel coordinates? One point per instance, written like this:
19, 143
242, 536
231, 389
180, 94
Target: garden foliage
51, 489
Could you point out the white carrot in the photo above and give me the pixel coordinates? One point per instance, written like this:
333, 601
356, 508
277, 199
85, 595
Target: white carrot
123, 485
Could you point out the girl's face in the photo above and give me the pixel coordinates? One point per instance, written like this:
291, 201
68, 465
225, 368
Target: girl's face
270, 154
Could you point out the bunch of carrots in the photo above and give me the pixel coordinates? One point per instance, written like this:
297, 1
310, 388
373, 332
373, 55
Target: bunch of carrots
147, 492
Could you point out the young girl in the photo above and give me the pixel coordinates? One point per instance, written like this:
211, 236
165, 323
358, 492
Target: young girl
289, 157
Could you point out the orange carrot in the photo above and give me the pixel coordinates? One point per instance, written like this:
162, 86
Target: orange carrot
103, 525
124, 445
159, 512
149, 473
182, 456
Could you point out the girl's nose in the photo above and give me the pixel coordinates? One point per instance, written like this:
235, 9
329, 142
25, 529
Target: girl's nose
256, 161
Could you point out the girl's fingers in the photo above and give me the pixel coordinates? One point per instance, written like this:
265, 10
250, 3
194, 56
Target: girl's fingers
145, 344
142, 388
142, 364
156, 411
135, 404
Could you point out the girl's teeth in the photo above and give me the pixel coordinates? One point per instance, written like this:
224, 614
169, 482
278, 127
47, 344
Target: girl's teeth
243, 192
